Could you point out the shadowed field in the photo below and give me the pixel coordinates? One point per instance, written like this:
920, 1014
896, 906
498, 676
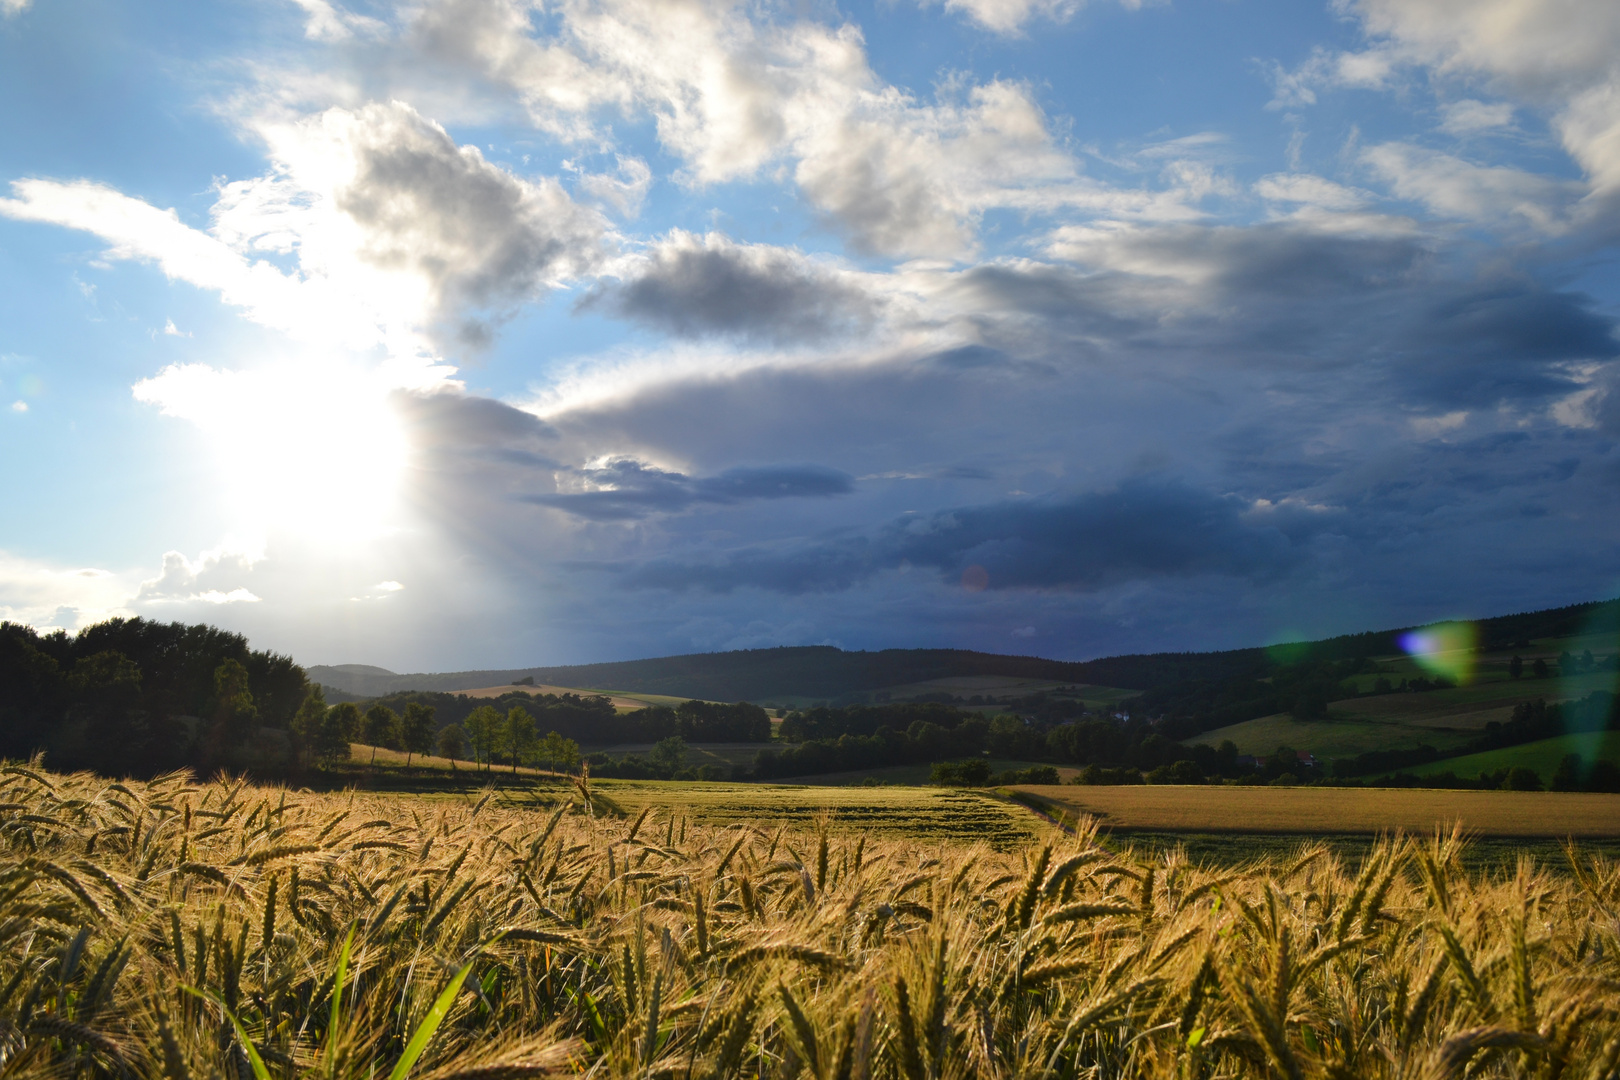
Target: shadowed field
1307, 810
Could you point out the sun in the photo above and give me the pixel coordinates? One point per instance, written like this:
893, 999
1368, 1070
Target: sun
310, 449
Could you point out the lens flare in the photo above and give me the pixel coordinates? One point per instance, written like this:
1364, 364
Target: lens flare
1444, 649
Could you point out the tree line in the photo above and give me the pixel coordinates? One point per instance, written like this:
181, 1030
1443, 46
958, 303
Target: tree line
138, 697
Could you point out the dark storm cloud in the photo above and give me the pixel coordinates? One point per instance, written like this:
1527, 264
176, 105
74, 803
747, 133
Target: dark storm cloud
694, 286
624, 490
1141, 530
1409, 323
443, 427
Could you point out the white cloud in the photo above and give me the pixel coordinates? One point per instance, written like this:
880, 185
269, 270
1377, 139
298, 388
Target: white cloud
624, 190
213, 578
330, 22
45, 596
1559, 54
731, 97
19, 406
1310, 190
9, 8
171, 330
1488, 195
388, 586
397, 236
1371, 69
1009, 16
1467, 117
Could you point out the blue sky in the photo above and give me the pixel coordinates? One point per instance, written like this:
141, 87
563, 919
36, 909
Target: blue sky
484, 333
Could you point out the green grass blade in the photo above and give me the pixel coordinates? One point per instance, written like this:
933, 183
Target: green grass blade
254, 1060
337, 988
430, 1023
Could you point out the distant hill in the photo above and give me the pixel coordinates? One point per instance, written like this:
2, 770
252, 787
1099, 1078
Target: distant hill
821, 671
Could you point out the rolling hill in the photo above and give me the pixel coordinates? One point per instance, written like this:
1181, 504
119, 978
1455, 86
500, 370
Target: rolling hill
827, 673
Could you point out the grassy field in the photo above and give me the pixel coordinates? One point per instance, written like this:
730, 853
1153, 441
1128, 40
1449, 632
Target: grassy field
1327, 738
178, 930
1542, 756
1339, 811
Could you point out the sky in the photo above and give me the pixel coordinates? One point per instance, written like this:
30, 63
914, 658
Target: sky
490, 333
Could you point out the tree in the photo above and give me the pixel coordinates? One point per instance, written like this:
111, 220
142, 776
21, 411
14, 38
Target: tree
1571, 770
668, 755
1516, 666
1539, 668
340, 729
321, 735
106, 691
416, 729
233, 714
380, 727
519, 732
307, 724
1521, 778
482, 727
450, 738
558, 750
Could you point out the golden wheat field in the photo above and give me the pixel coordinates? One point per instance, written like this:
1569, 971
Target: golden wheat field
182, 929
1338, 810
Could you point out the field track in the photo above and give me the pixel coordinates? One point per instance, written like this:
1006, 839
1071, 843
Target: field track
1340, 810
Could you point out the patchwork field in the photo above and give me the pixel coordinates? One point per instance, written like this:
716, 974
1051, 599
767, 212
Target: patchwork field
1338, 811
924, 813
1442, 719
913, 775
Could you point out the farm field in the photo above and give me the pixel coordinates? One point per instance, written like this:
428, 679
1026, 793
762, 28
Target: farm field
623, 701
1440, 718
183, 929
913, 775
920, 813
697, 754
1338, 811
1542, 756
1327, 738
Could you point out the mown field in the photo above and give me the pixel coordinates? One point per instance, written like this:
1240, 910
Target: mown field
178, 929
1305, 810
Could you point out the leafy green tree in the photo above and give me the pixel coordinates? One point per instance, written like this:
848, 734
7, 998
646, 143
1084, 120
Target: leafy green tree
482, 726
307, 724
668, 755
1516, 667
519, 733
416, 729
106, 692
1521, 778
341, 728
450, 741
380, 727
322, 734
559, 750
233, 714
